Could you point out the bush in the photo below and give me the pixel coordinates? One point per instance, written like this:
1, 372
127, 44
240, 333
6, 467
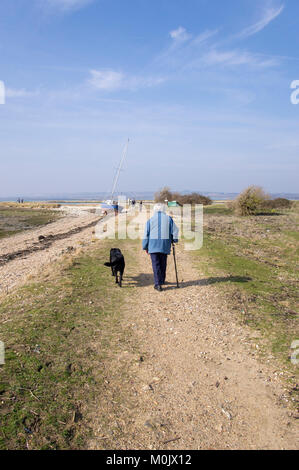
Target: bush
250, 201
193, 198
163, 194
278, 203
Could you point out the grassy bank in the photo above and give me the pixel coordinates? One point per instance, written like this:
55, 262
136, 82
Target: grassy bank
59, 335
15, 219
254, 261
30, 205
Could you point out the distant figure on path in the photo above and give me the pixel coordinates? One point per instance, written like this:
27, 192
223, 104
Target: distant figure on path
160, 232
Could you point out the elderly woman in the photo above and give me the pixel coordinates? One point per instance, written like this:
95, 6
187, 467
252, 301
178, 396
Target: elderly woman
160, 232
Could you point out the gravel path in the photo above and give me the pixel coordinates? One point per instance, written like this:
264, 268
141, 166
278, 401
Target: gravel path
199, 383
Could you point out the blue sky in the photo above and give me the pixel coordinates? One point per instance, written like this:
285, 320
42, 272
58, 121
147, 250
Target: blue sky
201, 87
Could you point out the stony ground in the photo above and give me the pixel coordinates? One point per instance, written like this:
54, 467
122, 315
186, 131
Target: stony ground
17, 271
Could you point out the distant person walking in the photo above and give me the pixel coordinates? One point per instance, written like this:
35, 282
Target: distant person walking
160, 232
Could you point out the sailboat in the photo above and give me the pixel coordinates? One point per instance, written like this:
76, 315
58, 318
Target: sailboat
111, 204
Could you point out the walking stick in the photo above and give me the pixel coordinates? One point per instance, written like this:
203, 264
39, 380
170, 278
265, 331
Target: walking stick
176, 272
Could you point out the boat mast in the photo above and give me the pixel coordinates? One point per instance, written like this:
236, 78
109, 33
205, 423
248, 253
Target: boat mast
125, 151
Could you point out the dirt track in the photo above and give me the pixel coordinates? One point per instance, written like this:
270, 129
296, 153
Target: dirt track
200, 384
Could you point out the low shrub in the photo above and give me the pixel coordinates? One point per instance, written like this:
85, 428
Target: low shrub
250, 201
277, 203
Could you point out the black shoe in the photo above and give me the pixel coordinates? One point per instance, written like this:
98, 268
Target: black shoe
159, 288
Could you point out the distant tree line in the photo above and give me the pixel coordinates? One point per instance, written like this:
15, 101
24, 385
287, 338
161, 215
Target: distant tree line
165, 194
253, 200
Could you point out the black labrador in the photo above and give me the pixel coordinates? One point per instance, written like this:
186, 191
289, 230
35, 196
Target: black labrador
117, 264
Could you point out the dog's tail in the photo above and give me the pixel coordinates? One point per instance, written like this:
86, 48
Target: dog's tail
111, 264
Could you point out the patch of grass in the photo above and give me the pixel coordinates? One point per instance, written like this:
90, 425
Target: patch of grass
255, 261
8, 233
217, 209
291, 234
14, 220
57, 336
30, 205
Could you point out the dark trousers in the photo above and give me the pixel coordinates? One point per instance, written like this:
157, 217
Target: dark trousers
159, 263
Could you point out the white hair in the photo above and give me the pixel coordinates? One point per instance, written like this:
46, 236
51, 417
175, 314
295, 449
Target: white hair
160, 207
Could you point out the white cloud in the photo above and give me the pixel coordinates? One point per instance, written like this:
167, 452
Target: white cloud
269, 14
203, 37
179, 34
111, 80
234, 57
19, 93
196, 52
106, 79
66, 5
181, 52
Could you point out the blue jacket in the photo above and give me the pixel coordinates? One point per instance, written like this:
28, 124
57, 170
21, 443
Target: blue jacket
160, 231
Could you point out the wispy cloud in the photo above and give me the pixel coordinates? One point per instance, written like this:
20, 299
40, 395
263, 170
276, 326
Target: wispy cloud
106, 79
183, 48
179, 34
67, 5
198, 52
186, 52
203, 37
269, 14
111, 80
234, 57
20, 93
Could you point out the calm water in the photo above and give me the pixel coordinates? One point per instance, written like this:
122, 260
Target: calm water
94, 198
